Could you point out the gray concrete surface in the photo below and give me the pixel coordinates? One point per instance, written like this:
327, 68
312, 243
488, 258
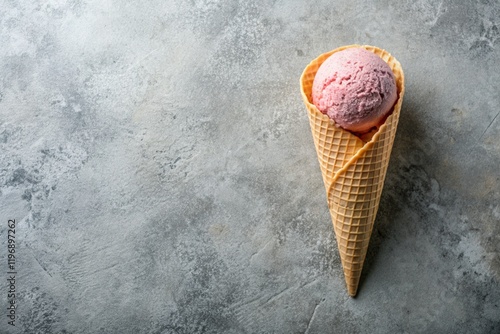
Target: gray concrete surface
158, 161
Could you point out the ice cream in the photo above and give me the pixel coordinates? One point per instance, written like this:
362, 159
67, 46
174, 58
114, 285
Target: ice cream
355, 88
353, 168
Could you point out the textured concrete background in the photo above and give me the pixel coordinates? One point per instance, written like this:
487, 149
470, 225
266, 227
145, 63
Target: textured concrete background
159, 163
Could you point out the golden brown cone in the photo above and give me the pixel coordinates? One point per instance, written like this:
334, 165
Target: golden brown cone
353, 170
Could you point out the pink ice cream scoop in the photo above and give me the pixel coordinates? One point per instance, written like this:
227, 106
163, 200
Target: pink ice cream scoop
355, 88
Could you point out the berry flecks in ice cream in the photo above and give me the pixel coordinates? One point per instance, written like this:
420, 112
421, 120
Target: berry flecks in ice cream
355, 88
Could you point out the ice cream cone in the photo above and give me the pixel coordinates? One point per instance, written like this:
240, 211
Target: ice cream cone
353, 169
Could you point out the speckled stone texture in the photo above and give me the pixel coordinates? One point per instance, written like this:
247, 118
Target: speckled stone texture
158, 160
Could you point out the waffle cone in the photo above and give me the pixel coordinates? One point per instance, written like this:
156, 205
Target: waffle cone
353, 169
